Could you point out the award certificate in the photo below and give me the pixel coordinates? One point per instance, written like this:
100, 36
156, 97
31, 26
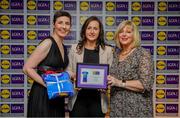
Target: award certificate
92, 75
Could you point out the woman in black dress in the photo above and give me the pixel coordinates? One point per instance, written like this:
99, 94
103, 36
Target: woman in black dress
50, 53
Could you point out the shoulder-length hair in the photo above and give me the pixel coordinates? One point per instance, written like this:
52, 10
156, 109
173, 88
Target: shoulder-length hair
100, 41
136, 35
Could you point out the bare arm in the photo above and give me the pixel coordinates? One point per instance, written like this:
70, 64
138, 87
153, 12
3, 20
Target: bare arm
35, 58
134, 85
70, 65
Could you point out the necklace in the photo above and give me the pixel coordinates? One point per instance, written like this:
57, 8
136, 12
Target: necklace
126, 52
124, 55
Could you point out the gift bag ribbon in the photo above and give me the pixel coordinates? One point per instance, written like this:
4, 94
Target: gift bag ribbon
58, 82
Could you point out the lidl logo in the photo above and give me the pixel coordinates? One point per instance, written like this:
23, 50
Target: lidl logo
5, 93
109, 35
84, 6
110, 6
5, 64
5, 108
160, 79
31, 35
5, 79
30, 81
58, 5
161, 35
162, 21
4, 4
160, 93
5, 34
31, 5
5, 19
110, 20
162, 6
161, 50
136, 6
5, 49
31, 48
161, 65
160, 108
31, 20
136, 20
82, 19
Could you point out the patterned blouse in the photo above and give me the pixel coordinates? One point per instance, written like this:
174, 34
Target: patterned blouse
126, 103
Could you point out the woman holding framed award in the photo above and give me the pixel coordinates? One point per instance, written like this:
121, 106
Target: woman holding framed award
131, 75
91, 49
50, 53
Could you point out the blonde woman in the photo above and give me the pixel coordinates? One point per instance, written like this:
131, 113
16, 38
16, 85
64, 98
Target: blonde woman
131, 75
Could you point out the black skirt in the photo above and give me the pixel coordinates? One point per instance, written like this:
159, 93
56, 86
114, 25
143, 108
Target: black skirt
39, 104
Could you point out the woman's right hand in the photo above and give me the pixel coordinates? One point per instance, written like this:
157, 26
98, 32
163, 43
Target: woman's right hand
72, 76
112, 81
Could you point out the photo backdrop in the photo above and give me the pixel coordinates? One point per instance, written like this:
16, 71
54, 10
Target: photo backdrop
24, 23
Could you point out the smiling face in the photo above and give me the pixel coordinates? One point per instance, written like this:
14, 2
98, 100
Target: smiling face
92, 31
126, 36
62, 26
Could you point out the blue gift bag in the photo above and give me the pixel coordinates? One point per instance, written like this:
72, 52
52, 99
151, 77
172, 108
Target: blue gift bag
58, 85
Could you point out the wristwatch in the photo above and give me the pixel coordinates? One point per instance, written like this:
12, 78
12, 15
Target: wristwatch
123, 83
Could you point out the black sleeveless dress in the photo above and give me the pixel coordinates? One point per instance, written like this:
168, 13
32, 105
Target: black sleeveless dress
38, 103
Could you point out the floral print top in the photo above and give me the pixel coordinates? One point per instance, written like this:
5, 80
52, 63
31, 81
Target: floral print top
137, 66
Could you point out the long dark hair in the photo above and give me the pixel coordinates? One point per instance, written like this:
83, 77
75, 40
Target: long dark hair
99, 42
